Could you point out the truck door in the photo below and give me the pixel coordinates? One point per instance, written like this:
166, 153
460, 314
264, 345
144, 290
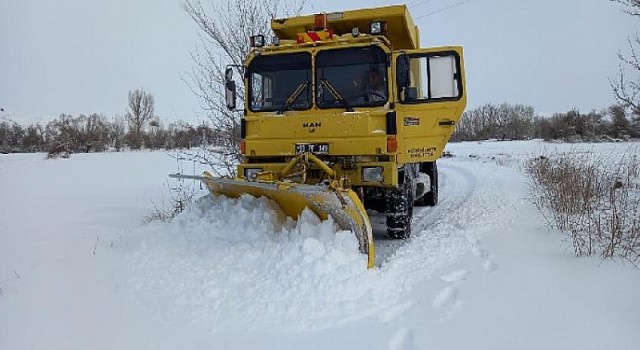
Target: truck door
430, 98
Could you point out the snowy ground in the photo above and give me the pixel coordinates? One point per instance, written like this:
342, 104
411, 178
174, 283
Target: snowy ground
78, 270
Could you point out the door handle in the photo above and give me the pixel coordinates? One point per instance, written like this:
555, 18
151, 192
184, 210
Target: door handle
447, 123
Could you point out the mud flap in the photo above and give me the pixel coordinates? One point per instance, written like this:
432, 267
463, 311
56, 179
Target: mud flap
343, 205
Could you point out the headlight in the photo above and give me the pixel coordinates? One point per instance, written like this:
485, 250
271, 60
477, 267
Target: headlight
373, 174
256, 40
378, 27
252, 173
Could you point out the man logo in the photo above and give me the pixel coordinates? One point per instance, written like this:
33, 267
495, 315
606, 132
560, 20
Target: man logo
311, 126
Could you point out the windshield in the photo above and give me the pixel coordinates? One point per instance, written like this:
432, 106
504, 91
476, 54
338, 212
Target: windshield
275, 79
357, 75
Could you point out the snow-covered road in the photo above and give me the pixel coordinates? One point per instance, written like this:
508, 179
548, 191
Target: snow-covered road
456, 185
79, 270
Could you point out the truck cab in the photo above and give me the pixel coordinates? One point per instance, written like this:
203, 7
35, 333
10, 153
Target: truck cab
355, 89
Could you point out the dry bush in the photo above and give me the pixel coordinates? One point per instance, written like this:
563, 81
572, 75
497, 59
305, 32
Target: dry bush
220, 161
594, 199
58, 150
180, 196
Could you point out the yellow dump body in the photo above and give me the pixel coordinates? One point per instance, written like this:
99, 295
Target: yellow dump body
401, 31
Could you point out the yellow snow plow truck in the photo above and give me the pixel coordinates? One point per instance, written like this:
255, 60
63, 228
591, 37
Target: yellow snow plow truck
344, 112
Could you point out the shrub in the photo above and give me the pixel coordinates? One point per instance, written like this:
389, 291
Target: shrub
180, 196
594, 199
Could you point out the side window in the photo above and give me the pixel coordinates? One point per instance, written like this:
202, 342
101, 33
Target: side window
429, 77
443, 73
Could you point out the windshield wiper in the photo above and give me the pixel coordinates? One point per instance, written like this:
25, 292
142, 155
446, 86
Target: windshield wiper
336, 94
293, 97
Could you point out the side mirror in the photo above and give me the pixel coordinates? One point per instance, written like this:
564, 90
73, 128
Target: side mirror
403, 71
230, 89
230, 94
228, 74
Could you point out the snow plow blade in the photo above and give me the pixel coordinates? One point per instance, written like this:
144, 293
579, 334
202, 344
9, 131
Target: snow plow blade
343, 205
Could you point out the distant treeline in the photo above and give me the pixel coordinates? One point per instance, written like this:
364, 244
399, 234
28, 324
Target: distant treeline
97, 133
519, 122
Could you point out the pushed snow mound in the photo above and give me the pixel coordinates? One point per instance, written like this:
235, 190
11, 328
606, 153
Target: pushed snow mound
242, 264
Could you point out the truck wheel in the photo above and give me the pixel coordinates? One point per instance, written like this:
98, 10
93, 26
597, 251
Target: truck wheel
430, 198
399, 208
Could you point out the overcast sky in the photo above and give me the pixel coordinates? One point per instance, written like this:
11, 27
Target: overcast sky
83, 56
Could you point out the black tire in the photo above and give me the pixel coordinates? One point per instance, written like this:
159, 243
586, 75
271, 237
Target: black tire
430, 198
399, 209
422, 201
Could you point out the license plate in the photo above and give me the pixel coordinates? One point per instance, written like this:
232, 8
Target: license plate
317, 148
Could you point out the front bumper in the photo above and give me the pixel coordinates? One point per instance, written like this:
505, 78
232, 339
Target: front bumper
354, 172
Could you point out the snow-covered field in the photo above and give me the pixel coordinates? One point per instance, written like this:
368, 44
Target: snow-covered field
79, 270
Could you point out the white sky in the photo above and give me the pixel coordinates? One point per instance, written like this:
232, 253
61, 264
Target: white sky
83, 56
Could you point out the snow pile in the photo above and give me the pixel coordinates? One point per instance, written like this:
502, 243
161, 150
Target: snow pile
78, 271
241, 263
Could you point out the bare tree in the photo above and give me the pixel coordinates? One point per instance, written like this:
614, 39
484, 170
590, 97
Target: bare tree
117, 133
632, 6
625, 88
225, 29
620, 125
140, 111
96, 132
504, 121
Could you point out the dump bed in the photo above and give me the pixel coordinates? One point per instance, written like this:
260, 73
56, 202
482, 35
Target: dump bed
401, 31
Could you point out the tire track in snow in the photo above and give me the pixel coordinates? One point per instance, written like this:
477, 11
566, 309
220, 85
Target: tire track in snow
456, 186
475, 202
402, 339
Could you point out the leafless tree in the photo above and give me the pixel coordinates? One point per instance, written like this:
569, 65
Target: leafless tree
626, 88
620, 125
632, 7
139, 112
117, 133
225, 28
504, 121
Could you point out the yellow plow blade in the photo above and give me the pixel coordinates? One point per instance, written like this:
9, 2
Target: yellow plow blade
343, 205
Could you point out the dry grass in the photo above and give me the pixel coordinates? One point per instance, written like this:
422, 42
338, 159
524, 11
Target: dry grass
179, 197
594, 199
